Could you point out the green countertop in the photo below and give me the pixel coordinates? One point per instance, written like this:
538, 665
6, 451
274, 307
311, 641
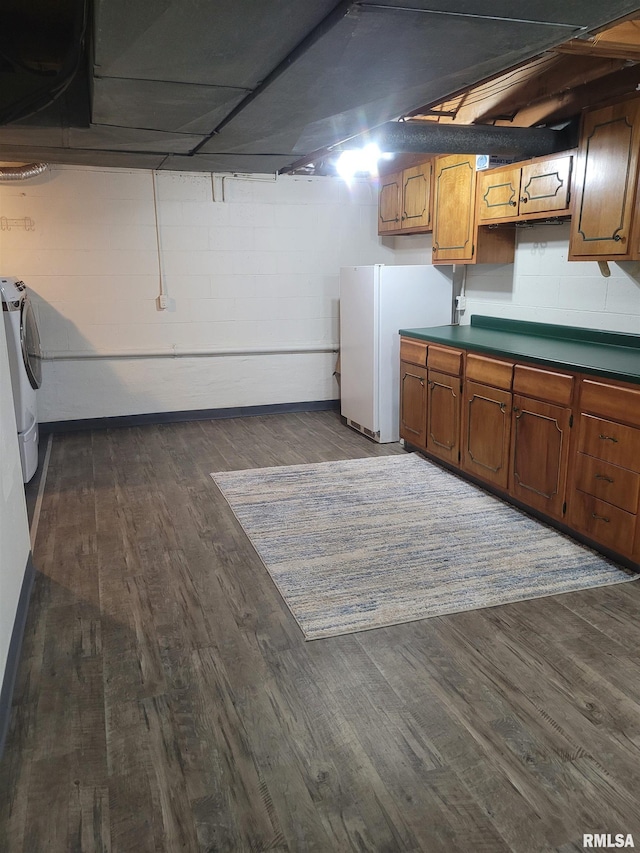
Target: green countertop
609, 354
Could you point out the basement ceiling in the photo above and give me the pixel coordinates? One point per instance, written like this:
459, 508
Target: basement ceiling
249, 86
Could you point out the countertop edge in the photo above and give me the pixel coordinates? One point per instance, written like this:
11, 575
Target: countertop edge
429, 335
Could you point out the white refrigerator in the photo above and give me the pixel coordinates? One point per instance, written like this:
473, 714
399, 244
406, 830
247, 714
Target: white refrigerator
375, 302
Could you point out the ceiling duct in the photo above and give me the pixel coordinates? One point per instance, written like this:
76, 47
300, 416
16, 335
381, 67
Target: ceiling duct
423, 137
21, 173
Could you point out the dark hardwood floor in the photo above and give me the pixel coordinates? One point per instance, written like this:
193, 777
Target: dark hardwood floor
166, 700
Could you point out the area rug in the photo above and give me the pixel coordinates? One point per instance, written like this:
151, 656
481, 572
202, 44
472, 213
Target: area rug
366, 543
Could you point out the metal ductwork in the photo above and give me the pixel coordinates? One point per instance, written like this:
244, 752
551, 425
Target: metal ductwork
423, 137
21, 173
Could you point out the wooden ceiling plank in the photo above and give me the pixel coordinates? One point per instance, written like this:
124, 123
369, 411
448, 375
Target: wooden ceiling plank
570, 103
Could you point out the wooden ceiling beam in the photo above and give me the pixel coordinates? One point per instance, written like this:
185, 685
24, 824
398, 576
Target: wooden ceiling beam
568, 104
619, 42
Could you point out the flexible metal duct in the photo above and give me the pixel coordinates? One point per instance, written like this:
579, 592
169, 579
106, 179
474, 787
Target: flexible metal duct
21, 173
422, 137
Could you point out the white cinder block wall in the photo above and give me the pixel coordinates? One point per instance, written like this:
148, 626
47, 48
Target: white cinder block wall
542, 286
247, 263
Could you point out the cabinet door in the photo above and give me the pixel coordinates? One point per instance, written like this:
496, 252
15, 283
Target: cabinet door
498, 194
390, 203
539, 454
486, 433
454, 208
443, 416
416, 197
545, 186
606, 173
413, 404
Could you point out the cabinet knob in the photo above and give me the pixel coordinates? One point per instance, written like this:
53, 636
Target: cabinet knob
524, 199
599, 517
608, 438
513, 204
618, 238
516, 410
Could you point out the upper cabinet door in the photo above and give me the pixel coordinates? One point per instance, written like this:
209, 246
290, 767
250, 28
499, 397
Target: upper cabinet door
498, 194
416, 193
454, 208
390, 203
545, 186
532, 190
606, 177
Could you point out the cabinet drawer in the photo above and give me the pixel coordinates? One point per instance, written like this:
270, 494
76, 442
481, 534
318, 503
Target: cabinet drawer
608, 482
611, 401
445, 359
415, 352
610, 441
603, 522
543, 384
489, 371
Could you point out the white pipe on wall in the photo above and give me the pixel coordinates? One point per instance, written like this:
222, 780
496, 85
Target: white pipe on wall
179, 353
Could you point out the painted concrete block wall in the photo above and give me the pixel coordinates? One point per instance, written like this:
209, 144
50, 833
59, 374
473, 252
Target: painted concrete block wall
543, 286
246, 263
14, 530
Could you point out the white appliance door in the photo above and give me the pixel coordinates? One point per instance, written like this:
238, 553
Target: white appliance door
359, 288
410, 297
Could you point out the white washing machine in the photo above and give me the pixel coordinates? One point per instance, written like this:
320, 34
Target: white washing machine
25, 364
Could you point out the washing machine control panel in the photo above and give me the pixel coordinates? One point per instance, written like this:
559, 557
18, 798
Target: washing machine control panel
20, 285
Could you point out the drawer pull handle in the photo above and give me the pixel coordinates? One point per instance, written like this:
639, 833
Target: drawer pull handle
600, 517
608, 438
603, 477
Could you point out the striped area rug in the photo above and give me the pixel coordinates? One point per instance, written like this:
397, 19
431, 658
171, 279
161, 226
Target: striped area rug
365, 543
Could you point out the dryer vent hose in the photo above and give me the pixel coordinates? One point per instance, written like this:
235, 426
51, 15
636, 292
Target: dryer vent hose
20, 173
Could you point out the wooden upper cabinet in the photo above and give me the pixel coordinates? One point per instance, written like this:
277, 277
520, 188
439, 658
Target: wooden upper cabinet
604, 224
545, 187
390, 203
453, 203
456, 237
416, 198
404, 202
536, 189
498, 194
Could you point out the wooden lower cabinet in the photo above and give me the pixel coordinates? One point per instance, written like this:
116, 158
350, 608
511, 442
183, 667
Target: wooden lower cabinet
560, 443
604, 499
486, 431
603, 522
539, 454
443, 416
413, 404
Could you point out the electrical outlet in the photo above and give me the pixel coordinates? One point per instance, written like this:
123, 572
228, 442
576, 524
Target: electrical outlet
461, 303
163, 302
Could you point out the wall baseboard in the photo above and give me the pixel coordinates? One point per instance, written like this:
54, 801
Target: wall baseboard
189, 415
15, 646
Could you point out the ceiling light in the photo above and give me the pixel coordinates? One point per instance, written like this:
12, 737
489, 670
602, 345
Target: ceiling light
360, 161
